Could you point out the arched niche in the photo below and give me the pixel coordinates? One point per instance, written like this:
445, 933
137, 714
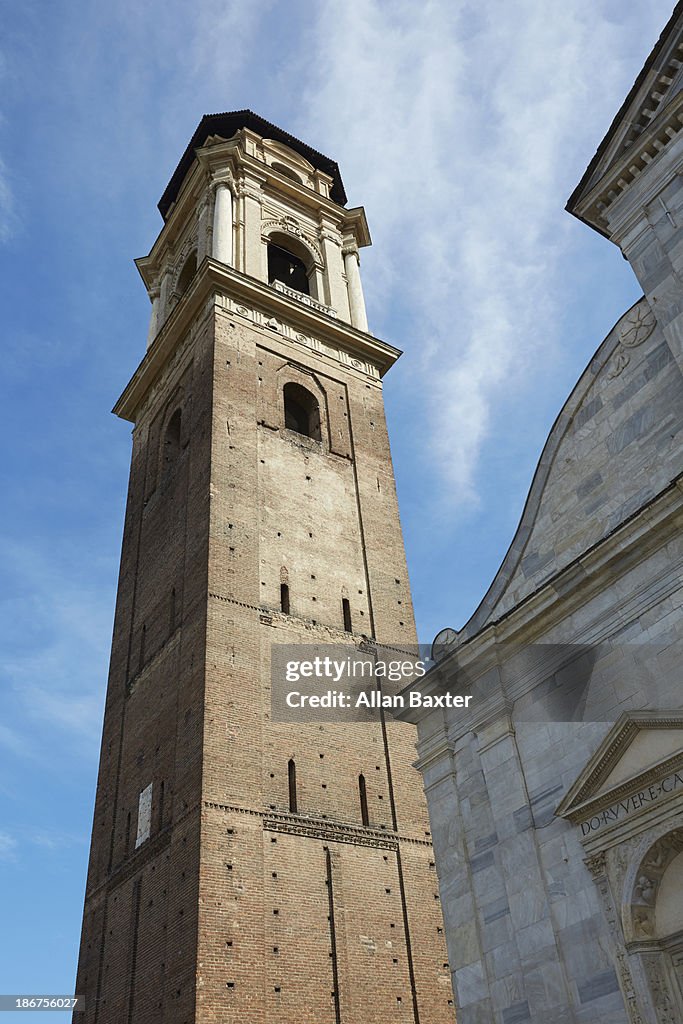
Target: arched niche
640, 914
652, 918
669, 905
309, 392
187, 273
302, 411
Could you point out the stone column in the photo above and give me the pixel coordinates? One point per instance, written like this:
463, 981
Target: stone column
154, 318
356, 301
222, 224
254, 249
337, 294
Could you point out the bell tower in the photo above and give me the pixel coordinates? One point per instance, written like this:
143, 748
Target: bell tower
243, 869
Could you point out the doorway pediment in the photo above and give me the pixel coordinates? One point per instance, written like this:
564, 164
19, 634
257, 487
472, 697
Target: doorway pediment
641, 749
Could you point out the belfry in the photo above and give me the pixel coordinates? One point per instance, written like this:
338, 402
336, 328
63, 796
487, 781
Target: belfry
243, 869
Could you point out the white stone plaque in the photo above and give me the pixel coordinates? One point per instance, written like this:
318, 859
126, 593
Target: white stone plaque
144, 815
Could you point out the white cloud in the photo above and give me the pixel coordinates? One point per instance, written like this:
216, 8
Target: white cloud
53, 840
75, 712
463, 129
8, 846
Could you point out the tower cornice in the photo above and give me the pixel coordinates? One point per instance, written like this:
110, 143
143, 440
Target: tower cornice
217, 278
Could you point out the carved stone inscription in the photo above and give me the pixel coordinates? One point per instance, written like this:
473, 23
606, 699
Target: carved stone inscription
631, 804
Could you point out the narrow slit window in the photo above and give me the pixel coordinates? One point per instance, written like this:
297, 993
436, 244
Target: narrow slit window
365, 817
291, 769
346, 612
284, 598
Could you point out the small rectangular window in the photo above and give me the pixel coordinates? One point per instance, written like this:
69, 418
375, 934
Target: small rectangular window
292, 787
346, 611
364, 816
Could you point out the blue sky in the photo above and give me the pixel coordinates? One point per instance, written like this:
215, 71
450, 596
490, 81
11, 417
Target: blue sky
462, 128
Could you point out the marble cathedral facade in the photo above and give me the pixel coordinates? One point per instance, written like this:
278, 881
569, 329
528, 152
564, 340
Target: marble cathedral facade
556, 799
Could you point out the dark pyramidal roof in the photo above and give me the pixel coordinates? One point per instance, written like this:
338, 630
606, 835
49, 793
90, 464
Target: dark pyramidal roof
226, 125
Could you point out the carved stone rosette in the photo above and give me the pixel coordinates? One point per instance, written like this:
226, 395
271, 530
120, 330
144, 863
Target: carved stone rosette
636, 328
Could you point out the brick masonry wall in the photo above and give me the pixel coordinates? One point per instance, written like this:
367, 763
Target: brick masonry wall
185, 927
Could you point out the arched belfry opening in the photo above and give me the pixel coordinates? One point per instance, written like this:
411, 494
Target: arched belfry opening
287, 267
187, 273
302, 412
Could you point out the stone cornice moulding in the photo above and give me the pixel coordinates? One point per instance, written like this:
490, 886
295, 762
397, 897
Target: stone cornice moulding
620, 176
434, 752
356, 224
501, 728
628, 218
594, 633
212, 277
322, 828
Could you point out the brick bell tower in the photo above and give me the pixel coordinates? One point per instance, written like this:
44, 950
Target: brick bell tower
242, 870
